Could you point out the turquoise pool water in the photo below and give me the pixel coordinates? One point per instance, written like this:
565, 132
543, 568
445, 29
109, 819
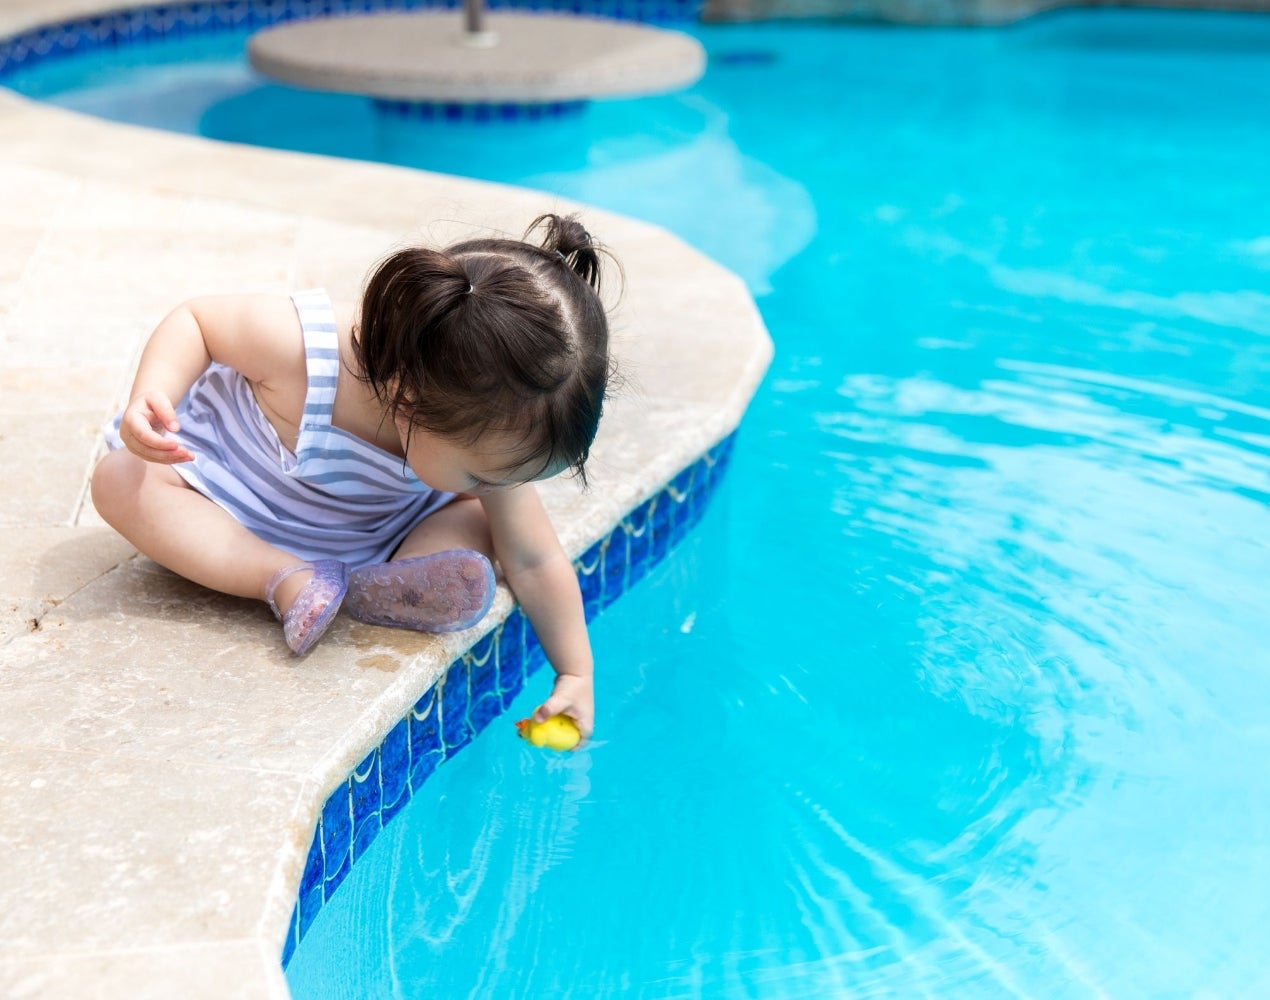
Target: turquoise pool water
960, 690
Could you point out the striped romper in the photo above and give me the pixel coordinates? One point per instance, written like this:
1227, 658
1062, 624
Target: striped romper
336, 497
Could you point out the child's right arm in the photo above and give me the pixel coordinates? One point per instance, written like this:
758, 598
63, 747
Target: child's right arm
542, 577
174, 356
254, 334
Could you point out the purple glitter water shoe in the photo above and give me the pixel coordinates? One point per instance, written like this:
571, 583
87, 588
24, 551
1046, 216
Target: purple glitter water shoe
444, 592
315, 606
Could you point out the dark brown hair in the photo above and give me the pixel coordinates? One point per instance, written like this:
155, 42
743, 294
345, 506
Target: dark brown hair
493, 335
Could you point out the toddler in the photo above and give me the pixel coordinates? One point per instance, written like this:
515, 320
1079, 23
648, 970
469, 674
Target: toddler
377, 459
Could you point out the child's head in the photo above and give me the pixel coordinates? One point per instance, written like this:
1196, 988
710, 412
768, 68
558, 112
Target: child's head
493, 339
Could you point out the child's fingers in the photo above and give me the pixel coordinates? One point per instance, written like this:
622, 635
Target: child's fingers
164, 456
156, 410
142, 430
163, 410
557, 705
174, 457
146, 442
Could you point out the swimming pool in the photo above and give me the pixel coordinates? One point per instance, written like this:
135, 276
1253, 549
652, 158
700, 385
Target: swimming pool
959, 690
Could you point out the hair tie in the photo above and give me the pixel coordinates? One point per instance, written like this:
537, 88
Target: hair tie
469, 289
561, 256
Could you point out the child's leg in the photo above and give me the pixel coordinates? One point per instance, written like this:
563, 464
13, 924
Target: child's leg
439, 580
460, 524
177, 527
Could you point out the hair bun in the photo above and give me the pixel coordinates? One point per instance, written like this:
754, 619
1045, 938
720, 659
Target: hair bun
453, 279
567, 237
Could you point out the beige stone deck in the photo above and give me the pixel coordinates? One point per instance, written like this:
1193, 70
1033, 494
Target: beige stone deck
162, 757
525, 58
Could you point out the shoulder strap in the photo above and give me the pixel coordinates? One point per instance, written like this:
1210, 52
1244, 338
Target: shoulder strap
322, 359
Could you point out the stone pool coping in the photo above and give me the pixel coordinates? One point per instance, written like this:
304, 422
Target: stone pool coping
163, 760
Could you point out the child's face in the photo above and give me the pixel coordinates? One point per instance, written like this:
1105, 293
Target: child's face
489, 465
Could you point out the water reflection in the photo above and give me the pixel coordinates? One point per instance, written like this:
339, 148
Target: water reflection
1081, 543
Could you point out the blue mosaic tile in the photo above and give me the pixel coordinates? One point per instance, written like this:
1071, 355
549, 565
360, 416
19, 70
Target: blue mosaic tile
484, 711
476, 112
338, 876
16, 54
263, 15
337, 831
364, 835
238, 10
482, 664
615, 549
690, 513
367, 797
534, 655
394, 770
198, 15
310, 906
423, 766
314, 873
511, 658
659, 528
426, 752
293, 936
716, 462
456, 732
483, 688
425, 725
679, 497
590, 570
124, 28
89, 32
234, 15
639, 541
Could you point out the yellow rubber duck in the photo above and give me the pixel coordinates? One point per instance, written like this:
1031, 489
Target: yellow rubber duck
557, 733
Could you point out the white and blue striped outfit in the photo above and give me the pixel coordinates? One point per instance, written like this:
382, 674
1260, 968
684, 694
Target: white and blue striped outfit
336, 497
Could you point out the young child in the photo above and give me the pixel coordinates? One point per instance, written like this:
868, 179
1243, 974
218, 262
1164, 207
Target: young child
314, 457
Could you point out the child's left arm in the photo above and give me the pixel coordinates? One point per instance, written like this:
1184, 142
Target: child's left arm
543, 580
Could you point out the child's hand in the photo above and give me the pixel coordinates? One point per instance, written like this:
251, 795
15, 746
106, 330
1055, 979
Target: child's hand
572, 696
142, 427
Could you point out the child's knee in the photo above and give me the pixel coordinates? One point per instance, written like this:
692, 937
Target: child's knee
116, 479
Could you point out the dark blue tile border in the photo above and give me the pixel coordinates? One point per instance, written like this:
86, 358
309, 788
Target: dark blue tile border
137, 26
480, 685
477, 113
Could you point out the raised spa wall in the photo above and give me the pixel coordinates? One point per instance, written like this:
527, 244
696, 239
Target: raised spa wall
181, 795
